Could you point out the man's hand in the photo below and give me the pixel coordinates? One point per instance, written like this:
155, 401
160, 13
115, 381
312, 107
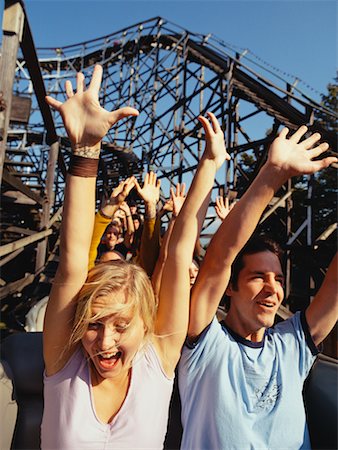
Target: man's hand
85, 121
215, 145
150, 192
294, 158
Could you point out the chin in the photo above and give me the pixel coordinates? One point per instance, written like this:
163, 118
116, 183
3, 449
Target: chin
266, 322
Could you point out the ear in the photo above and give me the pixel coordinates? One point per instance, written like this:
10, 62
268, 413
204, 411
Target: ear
229, 290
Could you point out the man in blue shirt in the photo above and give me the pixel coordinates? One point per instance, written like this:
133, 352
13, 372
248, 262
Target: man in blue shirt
241, 381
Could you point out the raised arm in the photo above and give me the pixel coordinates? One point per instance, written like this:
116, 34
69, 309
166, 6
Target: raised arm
174, 204
288, 157
149, 247
86, 123
173, 310
128, 235
104, 216
322, 313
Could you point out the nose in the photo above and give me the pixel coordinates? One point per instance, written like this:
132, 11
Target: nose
108, 337
270, 284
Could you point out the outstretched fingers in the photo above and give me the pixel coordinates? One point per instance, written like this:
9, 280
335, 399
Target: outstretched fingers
121, 113
296, 137
95, 82
69, 89
53, 103
317, 151
311, 140
323, 163
181, 192
80, 83
206, 125
215, 124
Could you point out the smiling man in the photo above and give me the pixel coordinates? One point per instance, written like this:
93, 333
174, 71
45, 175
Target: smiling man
241, 380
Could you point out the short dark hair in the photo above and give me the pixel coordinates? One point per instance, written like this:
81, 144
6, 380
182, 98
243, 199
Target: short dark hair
136, 217
257, 244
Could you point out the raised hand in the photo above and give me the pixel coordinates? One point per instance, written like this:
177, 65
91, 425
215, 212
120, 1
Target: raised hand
124, 207
295, 157
222, 207
215, 145
85, 121
150, 192
121, 192
177, 198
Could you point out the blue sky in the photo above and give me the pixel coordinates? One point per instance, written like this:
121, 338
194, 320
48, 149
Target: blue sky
298, 37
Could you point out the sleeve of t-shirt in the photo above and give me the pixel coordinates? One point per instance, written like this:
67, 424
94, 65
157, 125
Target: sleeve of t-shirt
293, 336
197, 353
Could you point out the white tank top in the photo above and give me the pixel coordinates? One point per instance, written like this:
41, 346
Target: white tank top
69, 418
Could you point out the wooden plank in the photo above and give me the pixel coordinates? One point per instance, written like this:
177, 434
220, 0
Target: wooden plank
12, 162
20, 230
16, 286
50, 178
20, 186
17, 197
13, 22
11, 247
20, 109
57, 216
284, 313
10, 257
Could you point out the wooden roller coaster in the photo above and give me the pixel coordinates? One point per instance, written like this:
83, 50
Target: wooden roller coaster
171, 75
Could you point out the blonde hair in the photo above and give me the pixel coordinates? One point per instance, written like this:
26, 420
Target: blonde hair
108, 280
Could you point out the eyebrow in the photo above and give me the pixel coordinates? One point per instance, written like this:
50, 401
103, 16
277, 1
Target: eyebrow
257, 272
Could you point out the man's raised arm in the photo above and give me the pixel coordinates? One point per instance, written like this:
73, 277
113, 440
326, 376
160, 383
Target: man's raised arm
288, 157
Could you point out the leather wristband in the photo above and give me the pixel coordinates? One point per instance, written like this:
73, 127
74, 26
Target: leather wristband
83, 167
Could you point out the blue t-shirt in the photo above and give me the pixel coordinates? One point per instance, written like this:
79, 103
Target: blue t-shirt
238, 394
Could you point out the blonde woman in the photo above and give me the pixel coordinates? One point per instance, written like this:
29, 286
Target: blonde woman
110, 352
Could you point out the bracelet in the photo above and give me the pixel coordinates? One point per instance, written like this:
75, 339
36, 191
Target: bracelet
83, 167
104, 215
86, 151
127, 217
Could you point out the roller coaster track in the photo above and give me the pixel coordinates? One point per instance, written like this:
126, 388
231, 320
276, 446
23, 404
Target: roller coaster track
171, 75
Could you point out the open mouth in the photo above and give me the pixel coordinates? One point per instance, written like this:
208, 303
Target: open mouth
109, 360
266, 304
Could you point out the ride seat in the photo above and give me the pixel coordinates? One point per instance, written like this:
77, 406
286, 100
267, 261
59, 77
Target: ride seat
21, 376
22, 359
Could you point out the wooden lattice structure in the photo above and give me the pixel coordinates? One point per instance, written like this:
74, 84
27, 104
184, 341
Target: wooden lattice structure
171, 75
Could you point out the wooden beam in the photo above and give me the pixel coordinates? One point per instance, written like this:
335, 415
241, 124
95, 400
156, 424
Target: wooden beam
16, 286
21, 109
11, 247
50, 178
20, 230
10, 257
20, 186
284, 313
57, 216
12, 25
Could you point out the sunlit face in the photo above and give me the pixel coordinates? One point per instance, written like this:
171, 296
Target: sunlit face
112, 342
259, 293
111, 236
193, 272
